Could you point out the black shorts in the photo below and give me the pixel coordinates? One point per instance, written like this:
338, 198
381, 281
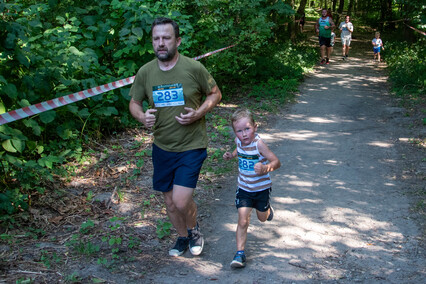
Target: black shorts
325, 41
176, 168
258, 200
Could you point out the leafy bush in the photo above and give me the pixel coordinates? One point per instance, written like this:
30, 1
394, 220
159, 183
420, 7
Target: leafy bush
407, 67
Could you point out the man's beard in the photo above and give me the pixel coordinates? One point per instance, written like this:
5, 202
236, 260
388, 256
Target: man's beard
164, 57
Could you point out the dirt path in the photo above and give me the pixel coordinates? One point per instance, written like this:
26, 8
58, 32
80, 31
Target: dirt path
341, 209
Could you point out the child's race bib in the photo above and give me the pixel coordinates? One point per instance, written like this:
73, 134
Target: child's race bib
168, 95
246, 163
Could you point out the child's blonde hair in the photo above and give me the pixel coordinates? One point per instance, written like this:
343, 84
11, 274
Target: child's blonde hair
377, 34
242, 113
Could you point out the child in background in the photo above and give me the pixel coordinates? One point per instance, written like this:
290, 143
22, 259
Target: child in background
332, 41
377, 45
255, 161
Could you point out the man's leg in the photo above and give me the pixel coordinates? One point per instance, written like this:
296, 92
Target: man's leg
329, 50
177, 201
185, 217
181, 210
323, 51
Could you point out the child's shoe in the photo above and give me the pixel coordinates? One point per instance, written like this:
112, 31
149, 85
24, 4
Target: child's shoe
271, 214
239, 260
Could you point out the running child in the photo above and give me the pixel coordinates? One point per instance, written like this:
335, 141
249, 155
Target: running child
377, 45
255, 161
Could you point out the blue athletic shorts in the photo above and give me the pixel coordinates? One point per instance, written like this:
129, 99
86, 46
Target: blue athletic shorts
258, 200
176, 168
376, 49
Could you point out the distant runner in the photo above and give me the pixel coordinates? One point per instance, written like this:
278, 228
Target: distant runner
324, 27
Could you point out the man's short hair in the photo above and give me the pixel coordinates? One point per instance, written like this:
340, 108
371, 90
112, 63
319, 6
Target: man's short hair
165, 21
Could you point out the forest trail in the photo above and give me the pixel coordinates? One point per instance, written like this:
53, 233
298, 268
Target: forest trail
341, 208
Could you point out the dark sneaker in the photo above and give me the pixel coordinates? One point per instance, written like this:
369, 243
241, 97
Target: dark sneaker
346, 56
322, 62
327, 61
239, 261
271, 214
180, 246
196, 241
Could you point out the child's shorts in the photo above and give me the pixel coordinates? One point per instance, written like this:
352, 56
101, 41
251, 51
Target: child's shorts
176, 168
376, 49
258, 200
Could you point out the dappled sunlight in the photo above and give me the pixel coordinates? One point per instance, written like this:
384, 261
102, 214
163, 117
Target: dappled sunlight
324, 142
332, 162
300, 183
289, 200
380, 144
299, 135
320, 120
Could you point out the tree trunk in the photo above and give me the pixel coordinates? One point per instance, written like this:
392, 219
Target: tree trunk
299, 13
301, 8
341, 5
350, 6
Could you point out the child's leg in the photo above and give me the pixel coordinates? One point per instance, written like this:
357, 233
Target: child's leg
243, 223
378, 56
262, 216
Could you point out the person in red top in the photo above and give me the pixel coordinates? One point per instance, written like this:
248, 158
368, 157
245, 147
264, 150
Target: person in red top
329, 13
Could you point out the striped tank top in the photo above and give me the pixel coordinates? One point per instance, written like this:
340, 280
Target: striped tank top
248, 156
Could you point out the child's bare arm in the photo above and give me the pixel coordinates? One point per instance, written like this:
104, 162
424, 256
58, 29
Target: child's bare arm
229, 155
274, 162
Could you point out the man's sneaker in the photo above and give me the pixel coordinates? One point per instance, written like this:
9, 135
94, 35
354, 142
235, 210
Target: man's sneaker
322, 62
196, 241
344, 57
180, 246
271, 214
239, 260
327, 61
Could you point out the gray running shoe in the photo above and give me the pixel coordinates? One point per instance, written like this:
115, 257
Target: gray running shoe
196, 241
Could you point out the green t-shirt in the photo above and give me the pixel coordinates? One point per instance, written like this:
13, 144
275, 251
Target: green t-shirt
169, 92
322, 31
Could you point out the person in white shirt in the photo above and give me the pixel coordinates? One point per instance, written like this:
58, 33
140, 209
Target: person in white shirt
346, 29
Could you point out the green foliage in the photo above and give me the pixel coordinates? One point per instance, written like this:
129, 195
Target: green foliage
163, 229
407, 68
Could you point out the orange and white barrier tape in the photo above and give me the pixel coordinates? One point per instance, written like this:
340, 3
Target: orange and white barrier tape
24, 112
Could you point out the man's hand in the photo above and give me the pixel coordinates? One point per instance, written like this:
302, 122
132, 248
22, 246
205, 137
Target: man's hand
149, 118
187, 118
